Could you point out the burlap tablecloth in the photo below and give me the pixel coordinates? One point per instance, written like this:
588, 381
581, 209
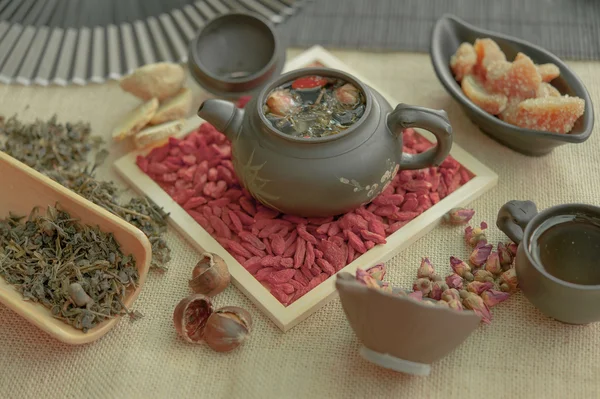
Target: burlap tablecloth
522, 354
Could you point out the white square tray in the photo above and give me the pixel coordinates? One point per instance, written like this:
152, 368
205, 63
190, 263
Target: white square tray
287, 317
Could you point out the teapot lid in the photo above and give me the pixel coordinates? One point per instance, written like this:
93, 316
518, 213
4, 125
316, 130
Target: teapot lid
236, 54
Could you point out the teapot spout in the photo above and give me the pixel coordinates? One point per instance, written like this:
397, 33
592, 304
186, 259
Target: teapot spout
223, 115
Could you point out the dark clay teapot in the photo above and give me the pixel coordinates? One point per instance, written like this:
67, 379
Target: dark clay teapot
331, 175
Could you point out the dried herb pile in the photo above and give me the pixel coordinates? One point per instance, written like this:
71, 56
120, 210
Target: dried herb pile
76, 271
62, 151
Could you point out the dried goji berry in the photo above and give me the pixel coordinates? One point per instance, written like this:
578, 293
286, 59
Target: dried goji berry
326, 266
309, 82
271, 261
252, 239
267, 246
220, 227
376, 238
305, 234
300, 253
277, 244
309, 259
238, 249
251, 248
253, 265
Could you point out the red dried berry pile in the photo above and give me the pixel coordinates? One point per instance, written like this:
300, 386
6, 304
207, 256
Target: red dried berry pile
289, 255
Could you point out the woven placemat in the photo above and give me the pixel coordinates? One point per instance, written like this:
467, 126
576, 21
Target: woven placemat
568, 28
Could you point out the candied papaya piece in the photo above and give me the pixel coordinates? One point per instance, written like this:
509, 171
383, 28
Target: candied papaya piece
509, 114
548, 72
492, 103
488, 52
519, 78
550, 114
463, 61
547, 90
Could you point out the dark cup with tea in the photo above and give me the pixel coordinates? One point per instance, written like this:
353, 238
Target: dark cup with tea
558, 257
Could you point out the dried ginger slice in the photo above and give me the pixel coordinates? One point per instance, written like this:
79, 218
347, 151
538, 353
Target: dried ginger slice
488, 52
548, 72
173, 108
160, 80
135, 120
547, 90
521, 79
158, 133
463, 61
492, 103
551, 114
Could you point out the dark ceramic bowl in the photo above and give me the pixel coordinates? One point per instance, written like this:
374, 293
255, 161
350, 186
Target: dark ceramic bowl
449, 32
236, 54
400, 333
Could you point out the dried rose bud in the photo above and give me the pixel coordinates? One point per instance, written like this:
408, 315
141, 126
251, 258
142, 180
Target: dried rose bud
436, 277
473, 236
476, 304
463, 294
361, 275
426, 269
493, 297
418, 295
459, 266
443, 304
477, 287
450, 294
458, 216
480, 254
365, 278
455, 304
347, 94
504, 287
483, 276
512, 247
492, 264
281, 102
377, 271
423, 285
509, 278
371, 282
428, 303
505, 255
454, 281
436, 290
384, 286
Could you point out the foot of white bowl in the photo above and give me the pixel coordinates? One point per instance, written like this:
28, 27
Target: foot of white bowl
394, 363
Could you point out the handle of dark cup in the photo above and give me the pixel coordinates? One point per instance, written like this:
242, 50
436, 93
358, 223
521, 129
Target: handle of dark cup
514, 216
407, 116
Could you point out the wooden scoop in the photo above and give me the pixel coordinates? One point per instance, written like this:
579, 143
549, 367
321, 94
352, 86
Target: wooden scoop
23, 189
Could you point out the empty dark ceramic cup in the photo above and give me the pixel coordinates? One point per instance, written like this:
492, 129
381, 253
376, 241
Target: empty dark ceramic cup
235, 54
558, 257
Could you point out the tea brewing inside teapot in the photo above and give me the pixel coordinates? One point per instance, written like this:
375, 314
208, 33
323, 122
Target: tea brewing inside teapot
314, 106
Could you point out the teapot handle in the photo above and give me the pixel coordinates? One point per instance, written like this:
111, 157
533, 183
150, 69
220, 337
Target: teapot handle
514, 216
436, 122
